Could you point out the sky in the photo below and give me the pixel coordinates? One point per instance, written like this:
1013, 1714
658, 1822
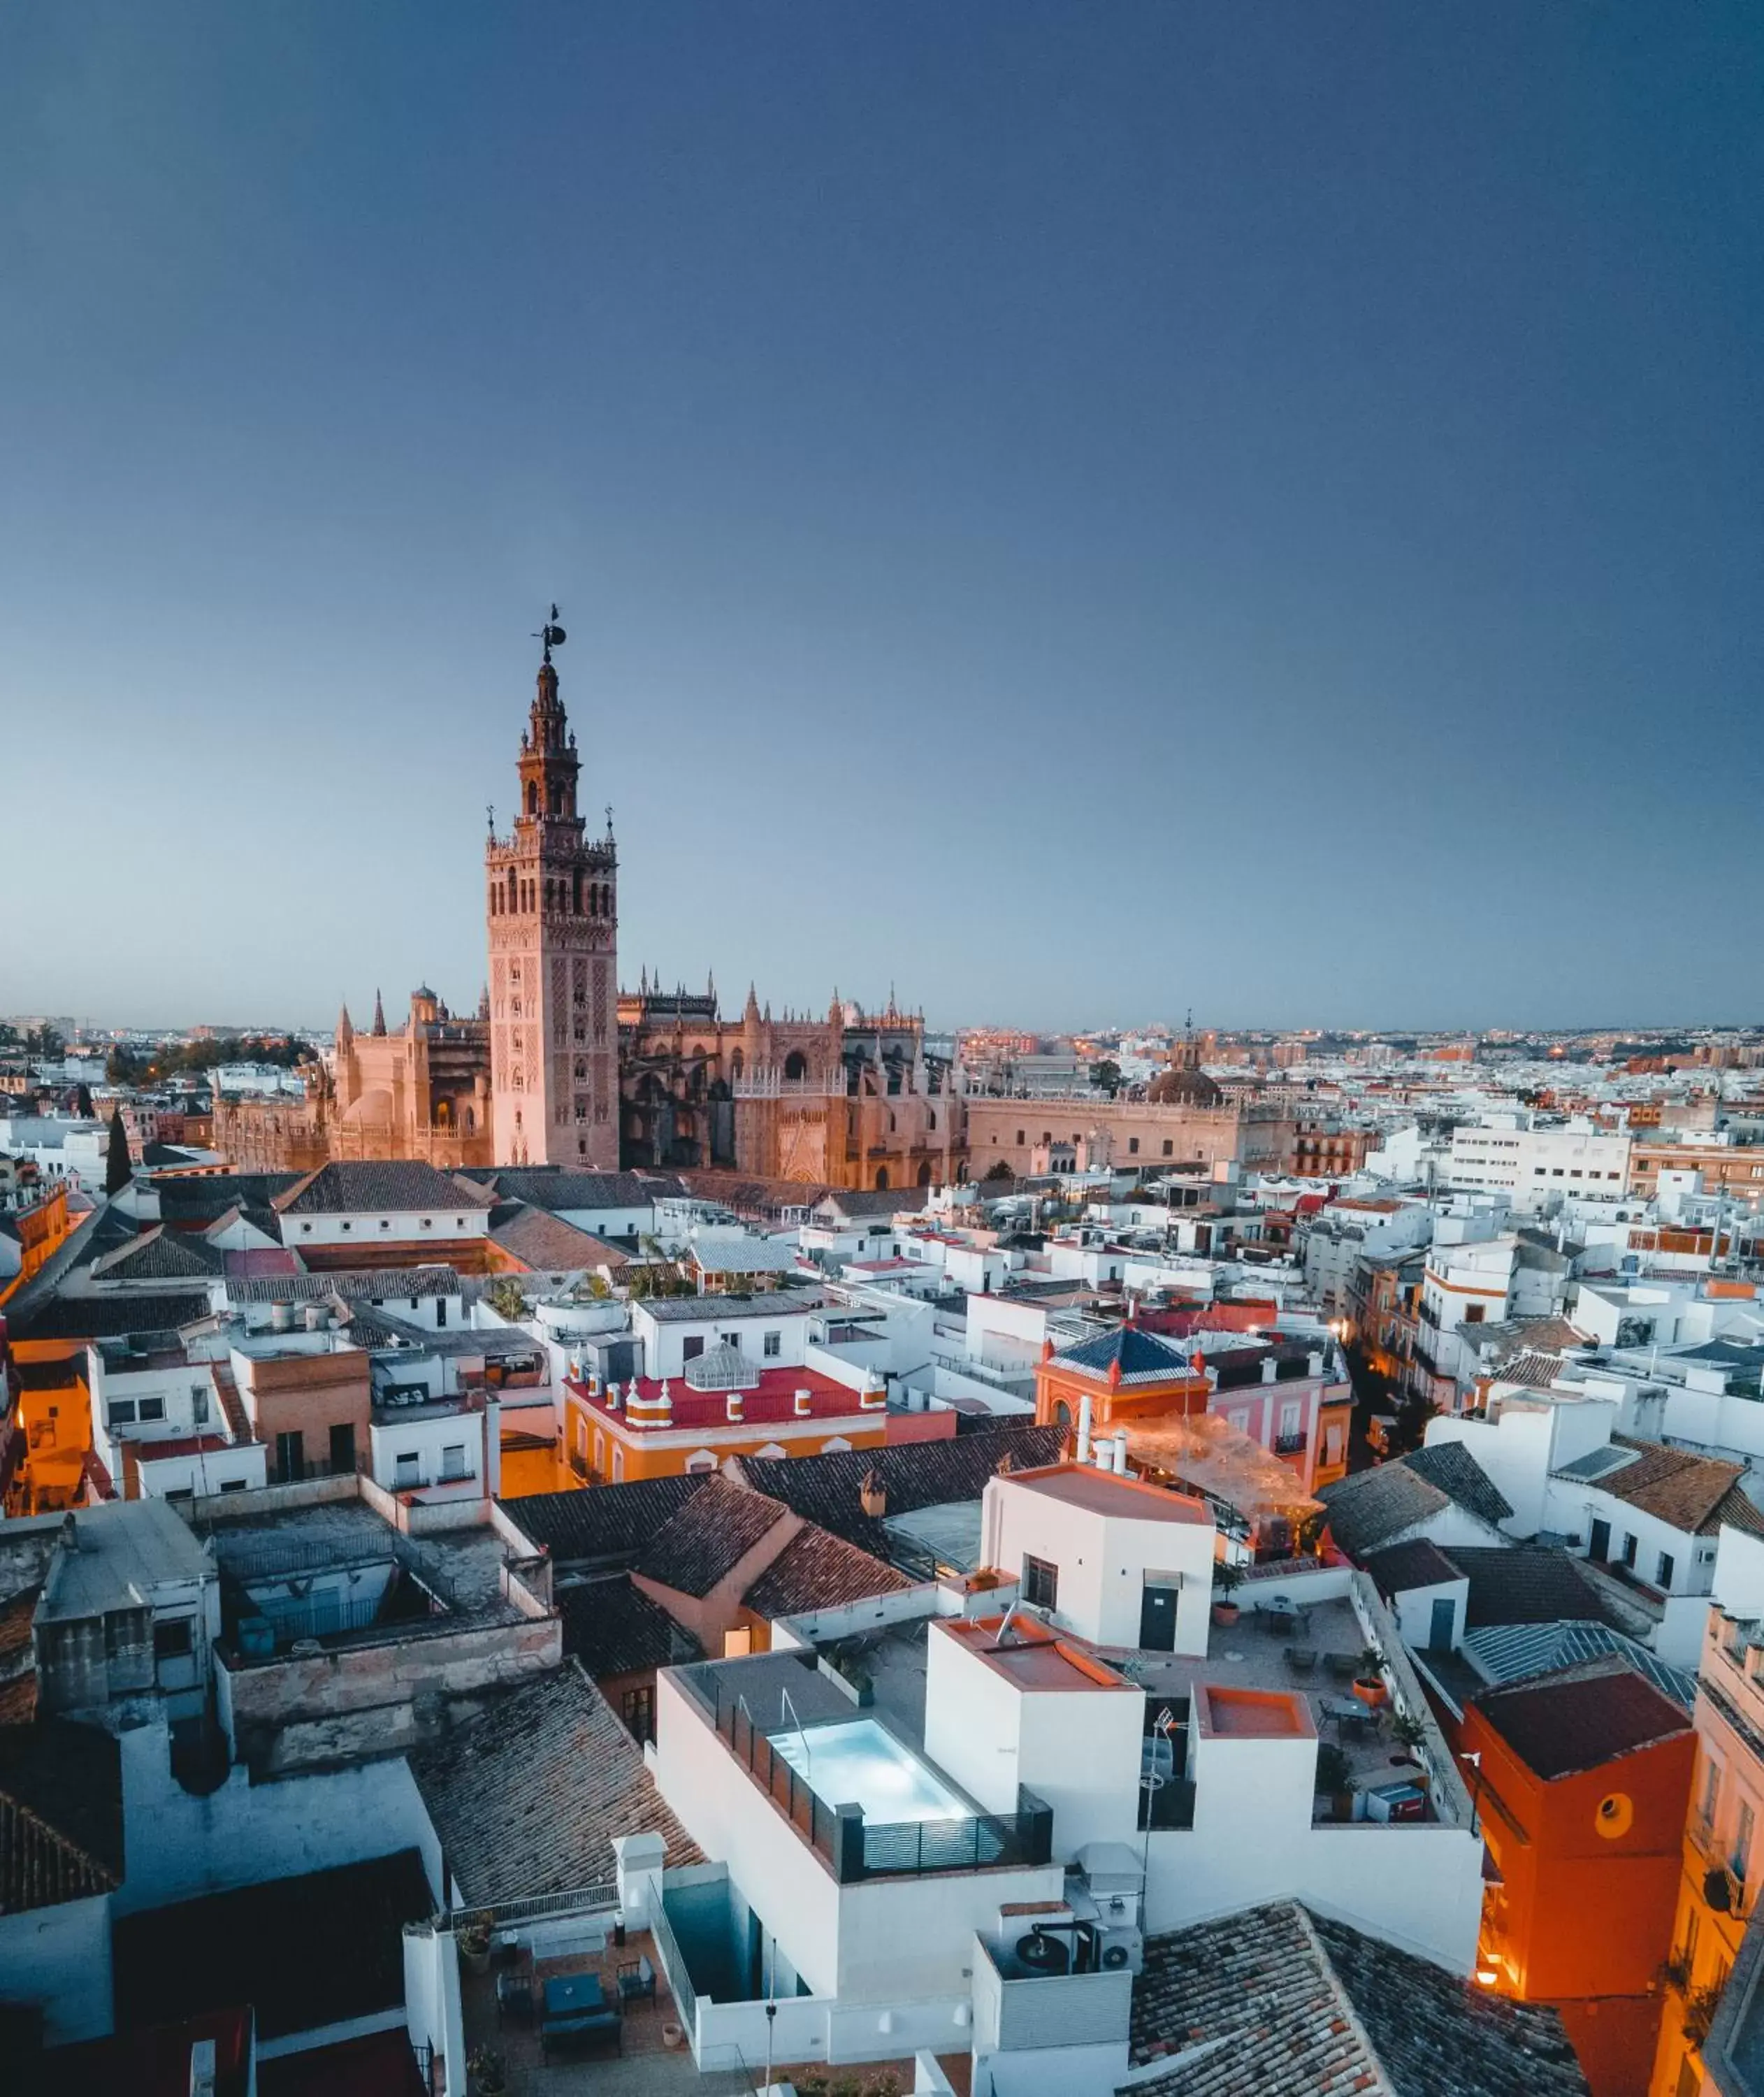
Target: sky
1074, 513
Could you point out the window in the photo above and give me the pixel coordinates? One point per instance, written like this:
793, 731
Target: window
346, 1224
1711, 1792
636, 1707
1628, 1557
152, 1408
408, 1468
772, 1346
232, 1485
119, 1412
691, 1348
199, 1403
1041, 1582
1168, 1147
1019, 1139
1663, 1571
1475, 1313
1133, 1146
453, 1461
1740, 1855
173, 1640
386, 1223
428, 1223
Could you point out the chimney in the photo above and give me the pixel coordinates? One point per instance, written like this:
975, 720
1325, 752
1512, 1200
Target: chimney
1267, 1368
804, 1404
1082, 1450
732, 1406
874, 1398
872, 1495
70, 1532
1120, 1452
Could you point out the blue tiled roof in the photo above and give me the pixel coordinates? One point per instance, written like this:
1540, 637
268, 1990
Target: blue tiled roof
1139, 1354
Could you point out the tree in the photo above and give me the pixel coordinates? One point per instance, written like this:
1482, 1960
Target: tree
44, 1041
507, 1298
118, 1171
82, 1102
1106, 1075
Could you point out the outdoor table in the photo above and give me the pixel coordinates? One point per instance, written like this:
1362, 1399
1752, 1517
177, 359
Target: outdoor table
1349, 1711
573, 1995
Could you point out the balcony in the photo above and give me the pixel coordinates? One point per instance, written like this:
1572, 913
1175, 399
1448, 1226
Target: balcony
1291, 1445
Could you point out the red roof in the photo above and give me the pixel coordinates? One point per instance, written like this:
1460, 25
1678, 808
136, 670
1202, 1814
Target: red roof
258, 1263
773, 1399
180, 1445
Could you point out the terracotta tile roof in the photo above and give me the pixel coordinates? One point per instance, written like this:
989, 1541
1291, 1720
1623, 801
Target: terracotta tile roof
1372, 1508
913, 1474
305, 1952
1525, 1584
816, 1570
1560, 1724
382, 1283
1688, 1492
191, 1203
61, 1830
528, 1798
371, 1186
709, 1537
107, 1317
546, 1243
602, 1524
560, 1190
1418, 1563
158, 1254
1274, 2001
613, 1628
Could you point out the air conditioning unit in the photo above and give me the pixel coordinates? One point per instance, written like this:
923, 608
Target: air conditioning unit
1122, 1949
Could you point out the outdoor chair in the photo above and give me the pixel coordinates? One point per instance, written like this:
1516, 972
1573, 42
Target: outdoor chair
1302, 1659
514, 1998
1342, 1666
636, 1981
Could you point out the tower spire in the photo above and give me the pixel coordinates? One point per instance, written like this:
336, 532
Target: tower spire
379, 1015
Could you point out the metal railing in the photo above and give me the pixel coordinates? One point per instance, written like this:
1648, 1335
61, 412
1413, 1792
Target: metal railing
672, 1962
856, 1848
1290, 1445
601, 1894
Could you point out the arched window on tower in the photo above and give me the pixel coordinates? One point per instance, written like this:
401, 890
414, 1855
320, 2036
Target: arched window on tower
796, 1069
737, 1064
533, 797
881, 1179
513, 905
925, 1174
576, 891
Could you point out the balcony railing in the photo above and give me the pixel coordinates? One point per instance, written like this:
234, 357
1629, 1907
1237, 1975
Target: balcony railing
1290, 1445
856, 1848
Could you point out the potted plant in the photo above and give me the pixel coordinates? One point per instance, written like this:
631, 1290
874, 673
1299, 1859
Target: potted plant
489, 2072
1369, 1683
1333, 1781
471, 1935
1409, 1731
1228, 1577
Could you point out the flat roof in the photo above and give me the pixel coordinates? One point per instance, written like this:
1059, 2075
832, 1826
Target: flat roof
1035, 1657
127, 1548
1104, 1492
1226, 1713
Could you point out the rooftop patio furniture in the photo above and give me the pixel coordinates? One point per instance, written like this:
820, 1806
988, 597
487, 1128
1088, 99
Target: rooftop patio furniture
1302, 1659
1343, 1666
636, 1981
577, 2017
514, 1998
1280, 1613
1351, 1715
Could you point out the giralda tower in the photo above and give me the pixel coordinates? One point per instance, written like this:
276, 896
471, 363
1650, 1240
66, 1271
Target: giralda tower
552, 910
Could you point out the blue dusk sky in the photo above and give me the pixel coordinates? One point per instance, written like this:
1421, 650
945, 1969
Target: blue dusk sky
1076, 511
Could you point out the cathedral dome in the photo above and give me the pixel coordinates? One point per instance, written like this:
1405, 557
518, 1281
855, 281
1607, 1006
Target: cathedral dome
373, 1109
1179, 1087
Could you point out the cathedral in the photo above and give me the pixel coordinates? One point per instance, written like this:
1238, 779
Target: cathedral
560, 1067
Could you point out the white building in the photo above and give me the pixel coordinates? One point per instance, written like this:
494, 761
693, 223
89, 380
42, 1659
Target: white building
1530, 1166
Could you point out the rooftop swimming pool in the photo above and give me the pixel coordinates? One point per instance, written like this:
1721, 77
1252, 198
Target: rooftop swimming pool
862, 1764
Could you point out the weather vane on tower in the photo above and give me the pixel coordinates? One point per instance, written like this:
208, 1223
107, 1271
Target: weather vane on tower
551, 633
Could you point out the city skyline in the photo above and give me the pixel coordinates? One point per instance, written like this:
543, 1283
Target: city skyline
1254, 514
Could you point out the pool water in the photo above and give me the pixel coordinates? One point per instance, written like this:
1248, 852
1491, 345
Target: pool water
862, 1763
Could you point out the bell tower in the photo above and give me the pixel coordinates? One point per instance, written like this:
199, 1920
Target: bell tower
551, 904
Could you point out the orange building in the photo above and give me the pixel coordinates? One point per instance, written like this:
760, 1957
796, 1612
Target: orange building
1581, 1784
50, 1422
36, 1218
724, 1406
